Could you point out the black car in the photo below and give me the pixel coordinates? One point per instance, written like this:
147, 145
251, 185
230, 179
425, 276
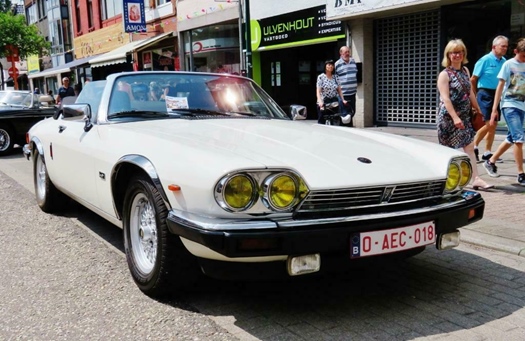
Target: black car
19, 111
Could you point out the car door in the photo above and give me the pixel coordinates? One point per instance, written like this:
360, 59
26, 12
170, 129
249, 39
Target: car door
72, 153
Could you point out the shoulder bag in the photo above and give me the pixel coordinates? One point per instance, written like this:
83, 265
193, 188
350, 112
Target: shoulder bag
476, 119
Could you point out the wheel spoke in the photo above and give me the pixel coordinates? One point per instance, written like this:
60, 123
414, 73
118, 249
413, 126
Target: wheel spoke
143, 233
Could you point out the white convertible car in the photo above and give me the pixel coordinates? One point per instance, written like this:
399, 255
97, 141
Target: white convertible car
205, 172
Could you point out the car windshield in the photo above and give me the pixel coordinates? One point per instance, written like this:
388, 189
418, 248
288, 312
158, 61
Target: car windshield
92, 94
189, 95
17, 99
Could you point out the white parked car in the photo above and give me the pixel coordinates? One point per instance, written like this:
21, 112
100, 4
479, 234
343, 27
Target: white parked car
212, 175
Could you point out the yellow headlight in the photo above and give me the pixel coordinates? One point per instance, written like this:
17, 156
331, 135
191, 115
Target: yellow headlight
466, 173
453, 177
282, 191
239, 191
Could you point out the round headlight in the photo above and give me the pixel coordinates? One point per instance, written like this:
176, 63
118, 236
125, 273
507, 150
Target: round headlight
282, 191
453, 177
466, 173
239, 192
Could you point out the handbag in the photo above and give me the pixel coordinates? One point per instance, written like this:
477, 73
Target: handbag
476, 119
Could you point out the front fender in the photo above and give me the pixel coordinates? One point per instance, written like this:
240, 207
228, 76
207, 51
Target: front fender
122, 172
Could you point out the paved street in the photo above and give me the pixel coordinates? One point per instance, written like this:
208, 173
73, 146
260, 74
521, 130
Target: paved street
66, 279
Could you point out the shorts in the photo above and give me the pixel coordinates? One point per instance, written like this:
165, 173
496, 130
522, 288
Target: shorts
514, 118
485, 99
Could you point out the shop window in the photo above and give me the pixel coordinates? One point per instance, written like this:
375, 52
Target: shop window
110, 8
213, 48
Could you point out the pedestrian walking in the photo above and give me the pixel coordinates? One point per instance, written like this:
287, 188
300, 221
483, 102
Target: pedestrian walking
456, 99
346, 74
511, 93
484, 81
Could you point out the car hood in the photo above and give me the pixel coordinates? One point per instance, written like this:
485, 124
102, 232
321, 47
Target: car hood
325, 156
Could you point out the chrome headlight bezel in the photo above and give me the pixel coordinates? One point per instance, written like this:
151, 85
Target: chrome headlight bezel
267, 188
262, 180
220, 192
464, 168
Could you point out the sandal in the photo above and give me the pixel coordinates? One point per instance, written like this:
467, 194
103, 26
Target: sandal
479, 183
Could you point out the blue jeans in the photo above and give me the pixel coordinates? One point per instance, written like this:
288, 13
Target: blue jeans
514, 118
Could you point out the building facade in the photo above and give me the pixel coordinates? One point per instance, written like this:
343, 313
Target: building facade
102, 45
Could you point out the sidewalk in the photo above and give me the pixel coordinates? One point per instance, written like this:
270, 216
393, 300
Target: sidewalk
503, 225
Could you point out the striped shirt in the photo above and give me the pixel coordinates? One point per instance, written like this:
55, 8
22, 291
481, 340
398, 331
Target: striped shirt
346, 74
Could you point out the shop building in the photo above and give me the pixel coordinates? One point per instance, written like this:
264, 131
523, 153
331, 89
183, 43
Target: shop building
209, 36
103, 44
401, 43
397, 44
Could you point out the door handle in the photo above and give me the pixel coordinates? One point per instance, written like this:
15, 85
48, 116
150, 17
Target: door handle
61, 128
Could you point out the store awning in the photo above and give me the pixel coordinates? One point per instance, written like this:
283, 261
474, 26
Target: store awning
119, 54
61, 68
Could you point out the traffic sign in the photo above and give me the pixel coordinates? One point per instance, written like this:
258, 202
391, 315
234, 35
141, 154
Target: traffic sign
13, 72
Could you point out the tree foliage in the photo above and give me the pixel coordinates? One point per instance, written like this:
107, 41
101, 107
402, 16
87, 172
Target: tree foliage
5, 6
16, 32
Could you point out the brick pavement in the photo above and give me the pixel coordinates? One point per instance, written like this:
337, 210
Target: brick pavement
502, 227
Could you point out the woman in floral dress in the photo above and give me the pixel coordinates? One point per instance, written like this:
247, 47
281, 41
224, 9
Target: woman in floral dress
456, 98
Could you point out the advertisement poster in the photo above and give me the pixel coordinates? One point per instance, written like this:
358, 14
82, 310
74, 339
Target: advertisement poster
134, 16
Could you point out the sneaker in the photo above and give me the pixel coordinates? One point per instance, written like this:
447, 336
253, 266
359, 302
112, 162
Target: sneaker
521, 179
487, 156
476, 152
491, 169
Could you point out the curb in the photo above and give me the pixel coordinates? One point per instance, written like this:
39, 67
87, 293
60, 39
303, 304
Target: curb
486, 240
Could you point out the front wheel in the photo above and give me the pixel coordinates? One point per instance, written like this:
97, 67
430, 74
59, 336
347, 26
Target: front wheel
7, 141
158, 261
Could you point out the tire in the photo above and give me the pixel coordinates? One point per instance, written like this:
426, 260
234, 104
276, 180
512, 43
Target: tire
48, 197
158, 261
7, 141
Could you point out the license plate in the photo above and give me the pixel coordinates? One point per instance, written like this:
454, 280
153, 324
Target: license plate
393, 240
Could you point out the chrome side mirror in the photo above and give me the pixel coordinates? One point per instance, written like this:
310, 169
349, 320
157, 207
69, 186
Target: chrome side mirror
298, 112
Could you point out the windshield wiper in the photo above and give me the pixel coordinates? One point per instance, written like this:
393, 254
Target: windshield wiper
198, 111
243, 113
139, 113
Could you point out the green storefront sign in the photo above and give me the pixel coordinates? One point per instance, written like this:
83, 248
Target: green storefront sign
292, 29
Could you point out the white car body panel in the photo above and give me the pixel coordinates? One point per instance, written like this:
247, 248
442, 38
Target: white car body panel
216, 147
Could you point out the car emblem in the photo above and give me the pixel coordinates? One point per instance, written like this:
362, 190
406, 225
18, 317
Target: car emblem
387, 194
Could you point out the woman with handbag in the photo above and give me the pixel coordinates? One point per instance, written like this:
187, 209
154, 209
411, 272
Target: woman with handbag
327, 89
456, 101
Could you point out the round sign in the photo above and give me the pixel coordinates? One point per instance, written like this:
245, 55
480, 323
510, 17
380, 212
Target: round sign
12, 71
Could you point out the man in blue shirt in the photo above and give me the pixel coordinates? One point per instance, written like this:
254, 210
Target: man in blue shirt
346, 75
484, 82
65, 90
511, 92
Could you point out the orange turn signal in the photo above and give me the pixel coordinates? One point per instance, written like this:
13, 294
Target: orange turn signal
174, 188
471, 213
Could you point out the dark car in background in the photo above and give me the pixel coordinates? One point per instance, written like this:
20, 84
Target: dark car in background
19, 111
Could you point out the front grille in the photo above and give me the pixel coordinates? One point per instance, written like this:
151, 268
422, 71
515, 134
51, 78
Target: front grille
366, 197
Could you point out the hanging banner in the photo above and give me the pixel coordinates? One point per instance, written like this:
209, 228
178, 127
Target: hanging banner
349, 8
134, 16
33, 66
